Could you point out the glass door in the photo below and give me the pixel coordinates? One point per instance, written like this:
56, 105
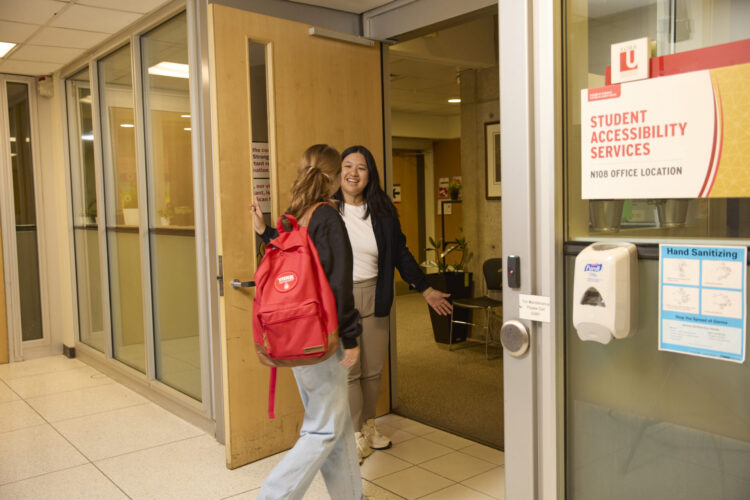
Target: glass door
20, 207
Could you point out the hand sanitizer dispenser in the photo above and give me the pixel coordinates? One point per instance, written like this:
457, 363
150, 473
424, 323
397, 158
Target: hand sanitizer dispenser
605, 302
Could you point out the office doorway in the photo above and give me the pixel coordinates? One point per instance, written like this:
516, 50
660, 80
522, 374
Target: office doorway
444, 100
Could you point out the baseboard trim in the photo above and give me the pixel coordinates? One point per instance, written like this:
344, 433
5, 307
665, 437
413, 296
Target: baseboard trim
69, 352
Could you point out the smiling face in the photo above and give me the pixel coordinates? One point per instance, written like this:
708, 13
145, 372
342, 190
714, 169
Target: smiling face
354, 178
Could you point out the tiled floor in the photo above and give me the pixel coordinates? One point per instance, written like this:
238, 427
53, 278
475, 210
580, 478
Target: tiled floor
68, 431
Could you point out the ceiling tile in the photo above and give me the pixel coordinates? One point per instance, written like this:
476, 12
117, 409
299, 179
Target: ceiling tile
29, 11
16, 32
40, 53
82, 17
140, 6
355, 6
63, 37
28, 67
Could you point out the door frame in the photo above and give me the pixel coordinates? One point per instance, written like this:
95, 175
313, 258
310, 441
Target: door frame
16, 345
531, 104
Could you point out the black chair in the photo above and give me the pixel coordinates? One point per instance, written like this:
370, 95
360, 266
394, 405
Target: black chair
492, 269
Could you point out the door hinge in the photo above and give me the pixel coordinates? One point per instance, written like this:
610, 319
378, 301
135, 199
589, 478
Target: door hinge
220, 277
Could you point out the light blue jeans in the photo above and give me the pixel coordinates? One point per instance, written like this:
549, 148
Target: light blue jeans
326, 440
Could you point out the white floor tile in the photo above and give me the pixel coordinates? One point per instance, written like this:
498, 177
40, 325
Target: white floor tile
38, 366
192, 468
72, 404
456, 492
490, 483
17, 415
396, 435
34, 451
393, 420
52, 383
79, 483
485, 453
413, 482
448, 439
316, 491
411, 426
381, 464
417, 450
125, 430
457, 466
375, 492
6, 394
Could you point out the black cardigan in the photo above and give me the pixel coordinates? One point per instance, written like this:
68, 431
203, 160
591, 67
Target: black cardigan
328, 234
393, 253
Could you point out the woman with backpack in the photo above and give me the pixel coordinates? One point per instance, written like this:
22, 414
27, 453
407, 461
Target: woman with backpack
326, 442
379, 246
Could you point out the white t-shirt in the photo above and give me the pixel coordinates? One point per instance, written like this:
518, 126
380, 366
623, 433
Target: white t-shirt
362, 238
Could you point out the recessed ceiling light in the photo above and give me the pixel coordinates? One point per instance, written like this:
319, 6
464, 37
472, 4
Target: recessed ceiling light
127, 125
188, 129
87, 137
173, 69
12, 139
184, 116
454, 100
5, 47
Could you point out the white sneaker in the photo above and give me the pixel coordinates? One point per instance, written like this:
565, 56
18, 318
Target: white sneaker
375, 439
363, 448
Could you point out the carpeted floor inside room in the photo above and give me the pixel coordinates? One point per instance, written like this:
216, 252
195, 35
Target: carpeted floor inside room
459, 391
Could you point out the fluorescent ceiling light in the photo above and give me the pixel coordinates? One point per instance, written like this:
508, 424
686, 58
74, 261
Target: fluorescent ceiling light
184, 116
455, 100
173, 69
187, 128
12, 139
127, 125
87, 137
5, 47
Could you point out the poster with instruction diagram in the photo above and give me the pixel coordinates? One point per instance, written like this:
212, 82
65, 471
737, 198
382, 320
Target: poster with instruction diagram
702, 301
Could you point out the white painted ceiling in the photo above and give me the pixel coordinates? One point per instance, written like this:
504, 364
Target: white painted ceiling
51, 33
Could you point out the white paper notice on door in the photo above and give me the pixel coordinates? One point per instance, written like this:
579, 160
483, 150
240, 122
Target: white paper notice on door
702, 298
534, 307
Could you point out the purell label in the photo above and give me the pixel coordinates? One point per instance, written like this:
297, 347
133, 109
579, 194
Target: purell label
594, 268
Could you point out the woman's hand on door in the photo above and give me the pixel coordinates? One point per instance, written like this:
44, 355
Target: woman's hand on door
259, 223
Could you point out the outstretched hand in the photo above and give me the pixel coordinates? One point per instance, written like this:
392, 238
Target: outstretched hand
437, 300
259, 223
350, 357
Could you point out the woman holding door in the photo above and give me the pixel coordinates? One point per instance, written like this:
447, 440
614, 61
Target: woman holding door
379, 246
326, 441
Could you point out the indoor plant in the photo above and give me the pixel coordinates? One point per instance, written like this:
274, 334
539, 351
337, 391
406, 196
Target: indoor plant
453, 279
454, 189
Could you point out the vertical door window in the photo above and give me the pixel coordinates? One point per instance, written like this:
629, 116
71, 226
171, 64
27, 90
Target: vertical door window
85, 216
171, 209
121, 207
22, 164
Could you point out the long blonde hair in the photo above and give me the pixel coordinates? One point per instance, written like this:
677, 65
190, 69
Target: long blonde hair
319, 167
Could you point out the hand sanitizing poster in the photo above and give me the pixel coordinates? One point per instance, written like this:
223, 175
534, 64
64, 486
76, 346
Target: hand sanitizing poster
702, 301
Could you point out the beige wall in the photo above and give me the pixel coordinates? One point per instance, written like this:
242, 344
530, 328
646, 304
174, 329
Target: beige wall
483, 218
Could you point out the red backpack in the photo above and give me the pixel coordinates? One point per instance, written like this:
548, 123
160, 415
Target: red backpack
295, 320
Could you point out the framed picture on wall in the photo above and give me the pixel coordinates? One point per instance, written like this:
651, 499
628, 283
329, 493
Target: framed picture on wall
492, 160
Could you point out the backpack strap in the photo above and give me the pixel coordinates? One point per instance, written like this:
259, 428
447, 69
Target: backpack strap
272, 393
305, 219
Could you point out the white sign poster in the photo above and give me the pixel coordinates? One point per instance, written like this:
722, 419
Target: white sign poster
649, 139
262, 192
261, 160
702, 301
534, 307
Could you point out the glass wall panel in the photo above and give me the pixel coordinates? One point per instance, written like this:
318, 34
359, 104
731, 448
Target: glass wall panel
121, 199
85, 217
171, 214
592, 26
22, 164
643, 423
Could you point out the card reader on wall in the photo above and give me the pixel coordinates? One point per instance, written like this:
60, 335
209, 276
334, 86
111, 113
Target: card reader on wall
605, 291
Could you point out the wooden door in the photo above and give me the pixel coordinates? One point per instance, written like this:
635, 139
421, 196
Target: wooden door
319, 90
406, 176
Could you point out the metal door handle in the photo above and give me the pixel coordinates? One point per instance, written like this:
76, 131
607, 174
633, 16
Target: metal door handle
242, 284
515, 338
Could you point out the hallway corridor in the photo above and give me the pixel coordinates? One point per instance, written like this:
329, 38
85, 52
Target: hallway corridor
69, 432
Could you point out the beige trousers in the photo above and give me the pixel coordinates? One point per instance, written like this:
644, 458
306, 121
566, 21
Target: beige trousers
365, 375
